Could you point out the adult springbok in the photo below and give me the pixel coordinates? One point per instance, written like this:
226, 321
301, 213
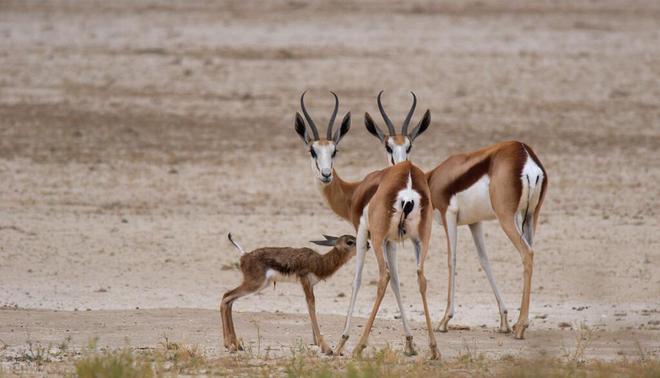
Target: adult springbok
505, 181
386, 206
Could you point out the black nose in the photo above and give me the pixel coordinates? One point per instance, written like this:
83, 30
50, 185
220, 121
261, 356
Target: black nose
326, 176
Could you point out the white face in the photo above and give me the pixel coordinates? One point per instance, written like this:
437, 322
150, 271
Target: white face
322, 155
398, 148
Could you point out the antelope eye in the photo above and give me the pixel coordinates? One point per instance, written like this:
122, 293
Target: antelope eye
389, 149
350, 242
408, 149
311, 151
334, 153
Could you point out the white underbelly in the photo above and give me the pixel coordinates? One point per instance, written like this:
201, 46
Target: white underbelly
473, 204
273, 275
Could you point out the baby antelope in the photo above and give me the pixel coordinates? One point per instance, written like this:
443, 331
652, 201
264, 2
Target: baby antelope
265, 266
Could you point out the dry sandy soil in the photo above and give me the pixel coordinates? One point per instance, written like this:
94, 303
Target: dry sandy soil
134, 135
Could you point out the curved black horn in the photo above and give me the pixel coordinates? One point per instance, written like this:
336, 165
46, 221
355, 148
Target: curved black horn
311, 123
389, 124
404, 130
333, 116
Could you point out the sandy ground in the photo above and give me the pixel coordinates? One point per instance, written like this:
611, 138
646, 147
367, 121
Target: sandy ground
135, 135
276, 335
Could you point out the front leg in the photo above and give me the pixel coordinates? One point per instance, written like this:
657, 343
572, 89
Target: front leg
384, 278
478, 237
311, 307
361, 246
450, 223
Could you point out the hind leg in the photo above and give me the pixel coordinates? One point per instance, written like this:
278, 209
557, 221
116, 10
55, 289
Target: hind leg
229, 334
311, 308
528, 229
390, 254
506, 191
421, 250
527, 254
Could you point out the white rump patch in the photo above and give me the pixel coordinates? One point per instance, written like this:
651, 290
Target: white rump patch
412, 221
532, 178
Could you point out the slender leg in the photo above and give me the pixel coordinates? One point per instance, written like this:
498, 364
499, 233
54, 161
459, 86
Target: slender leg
230, 339
230, 318
390, 253
311, 307
450, 220
478, 237
361, 245
421, 250
384, 278
226, 331
527, 255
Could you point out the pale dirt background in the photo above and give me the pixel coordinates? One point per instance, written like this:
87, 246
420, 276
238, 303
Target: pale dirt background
134, 135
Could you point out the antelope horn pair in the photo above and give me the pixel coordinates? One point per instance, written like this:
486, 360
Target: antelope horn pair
388, 122
310, 121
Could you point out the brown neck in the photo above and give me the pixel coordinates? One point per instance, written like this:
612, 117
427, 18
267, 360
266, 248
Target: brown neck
330, 262
338, 194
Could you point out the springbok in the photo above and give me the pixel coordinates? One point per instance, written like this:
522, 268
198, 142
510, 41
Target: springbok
386, 206
264, 266
505, 181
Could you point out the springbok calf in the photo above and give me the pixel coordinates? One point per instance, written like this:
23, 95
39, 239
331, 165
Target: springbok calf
264, 266
505, 181
386, 206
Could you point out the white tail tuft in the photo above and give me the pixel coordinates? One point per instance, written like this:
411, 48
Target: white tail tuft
235, 244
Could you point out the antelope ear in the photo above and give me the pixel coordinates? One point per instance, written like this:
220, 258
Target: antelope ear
422, 125
327, 243
301, 130
330, 238
343, 130
372, 128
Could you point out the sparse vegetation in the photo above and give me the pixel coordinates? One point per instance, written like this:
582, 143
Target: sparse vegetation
172, 358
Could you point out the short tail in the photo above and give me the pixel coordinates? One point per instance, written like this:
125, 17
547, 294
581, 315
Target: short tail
407, 207
532, 186
235, 244
407, 201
